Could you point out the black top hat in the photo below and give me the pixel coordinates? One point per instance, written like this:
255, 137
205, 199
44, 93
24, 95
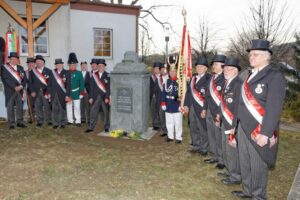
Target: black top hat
58, 61
83, 62
94, 61
101, 61
39, 57
13, 55
72, 58
232, 62
260, 44
202, 61
156, 64
161, 65
30, 60
219, 58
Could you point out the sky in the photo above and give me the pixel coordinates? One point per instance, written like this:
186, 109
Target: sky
224, 17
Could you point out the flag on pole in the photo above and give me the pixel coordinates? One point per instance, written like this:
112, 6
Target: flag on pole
12, 42
185, 53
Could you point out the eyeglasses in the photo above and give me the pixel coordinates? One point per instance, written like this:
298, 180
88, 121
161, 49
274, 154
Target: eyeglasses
255, 54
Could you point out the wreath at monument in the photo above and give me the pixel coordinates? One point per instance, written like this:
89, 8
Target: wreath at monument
120, 133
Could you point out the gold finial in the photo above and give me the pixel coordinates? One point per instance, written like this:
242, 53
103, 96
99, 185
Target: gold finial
184, 13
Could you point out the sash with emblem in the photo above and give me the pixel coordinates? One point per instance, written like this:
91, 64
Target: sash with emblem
99, 82
216, 96
196, 95
13, 72
256, 110
59, 80
40, 76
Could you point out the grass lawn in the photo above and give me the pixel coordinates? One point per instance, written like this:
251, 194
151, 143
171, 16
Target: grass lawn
68, 164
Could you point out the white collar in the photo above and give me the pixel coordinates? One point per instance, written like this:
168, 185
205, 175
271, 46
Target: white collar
229, 80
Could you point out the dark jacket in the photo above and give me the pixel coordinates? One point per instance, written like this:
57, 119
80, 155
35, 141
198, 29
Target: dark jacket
10, 82
170, 96
95, 90
268, 88
35, 85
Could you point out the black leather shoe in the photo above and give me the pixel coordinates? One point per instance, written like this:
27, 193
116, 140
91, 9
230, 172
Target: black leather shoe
202, 153
49, 123
88, 130
55, 127
227, 181
210, 161
156, 128
220, 166
83, 122
163, 135
78, 125
69, 123
11, 127
193, 151
241, 194
62, 126
106, 130
39, 125
178, 142
223, 174
168, 140
21, 125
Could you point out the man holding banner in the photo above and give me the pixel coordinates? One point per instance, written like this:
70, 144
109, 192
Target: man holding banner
260, 106
14, 81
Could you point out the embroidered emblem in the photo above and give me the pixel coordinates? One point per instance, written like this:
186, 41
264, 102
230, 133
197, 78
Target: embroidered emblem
258, 89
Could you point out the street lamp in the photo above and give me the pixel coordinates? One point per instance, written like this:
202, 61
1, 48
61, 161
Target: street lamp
167, 38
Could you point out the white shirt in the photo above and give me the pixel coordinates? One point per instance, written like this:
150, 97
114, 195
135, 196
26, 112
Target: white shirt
254, 72
83, 73
40, 69
199, 77
229, 81
216, 75
14, 67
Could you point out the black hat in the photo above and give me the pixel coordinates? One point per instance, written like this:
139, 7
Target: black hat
219, 58
72, 58
202, 61
161, 65
101, 61
13, 54
156, 64
39, 57
260, 44
30, 60
83, 62
94, 61
232, 62
58, 61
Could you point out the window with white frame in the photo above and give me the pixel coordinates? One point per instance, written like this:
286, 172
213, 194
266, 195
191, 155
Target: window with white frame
40, 39
103, 42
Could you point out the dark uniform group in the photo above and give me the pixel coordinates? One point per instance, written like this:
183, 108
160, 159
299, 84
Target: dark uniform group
234, 120
58, 97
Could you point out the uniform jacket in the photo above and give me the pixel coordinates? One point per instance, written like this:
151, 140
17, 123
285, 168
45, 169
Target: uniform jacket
201, 86
268, 88
35, 85
170, 96
76, 84
95, 90
10, 82
211, 104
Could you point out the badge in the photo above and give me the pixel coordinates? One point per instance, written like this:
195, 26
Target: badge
202, 90
229, 100
219, 88
105, 80
258, 89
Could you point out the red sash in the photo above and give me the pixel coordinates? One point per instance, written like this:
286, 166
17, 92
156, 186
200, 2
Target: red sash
59, 80
226, 113
214, 92
196, 95
256, 110
40, 76
99, 82
13, 72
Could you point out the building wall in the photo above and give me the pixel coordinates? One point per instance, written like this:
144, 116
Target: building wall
81, 33
58, 28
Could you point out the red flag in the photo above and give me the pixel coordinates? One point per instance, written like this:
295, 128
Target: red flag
185, 53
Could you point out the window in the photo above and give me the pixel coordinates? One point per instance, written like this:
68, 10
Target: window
103, 42
40, 39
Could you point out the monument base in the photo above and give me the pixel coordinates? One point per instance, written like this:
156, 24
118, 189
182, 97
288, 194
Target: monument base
144, 136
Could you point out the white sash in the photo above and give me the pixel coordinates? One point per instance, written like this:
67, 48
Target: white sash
213, 92
99, 83
40, 76
59, 80
13, 72
196, 95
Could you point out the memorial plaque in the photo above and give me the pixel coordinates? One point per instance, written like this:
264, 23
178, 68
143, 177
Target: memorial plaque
124, 100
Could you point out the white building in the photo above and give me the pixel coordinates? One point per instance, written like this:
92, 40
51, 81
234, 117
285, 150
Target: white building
91, 29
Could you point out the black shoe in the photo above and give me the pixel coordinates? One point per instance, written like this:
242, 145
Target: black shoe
106, 130
21, 125
69, 123
88, 130
168, 140
220, 166
78, 125
62, 126
156, 128
30, 122
83, 122
11, 127
39, 125
55, 127
178, 142
227, 181
223, 174
203, 153
49, 123
163, 135
210, 161
241, 194
193, 151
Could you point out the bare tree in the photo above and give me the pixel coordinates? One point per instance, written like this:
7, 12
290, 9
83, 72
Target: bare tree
269, 21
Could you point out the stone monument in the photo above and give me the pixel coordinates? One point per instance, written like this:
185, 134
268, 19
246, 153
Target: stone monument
130, 82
